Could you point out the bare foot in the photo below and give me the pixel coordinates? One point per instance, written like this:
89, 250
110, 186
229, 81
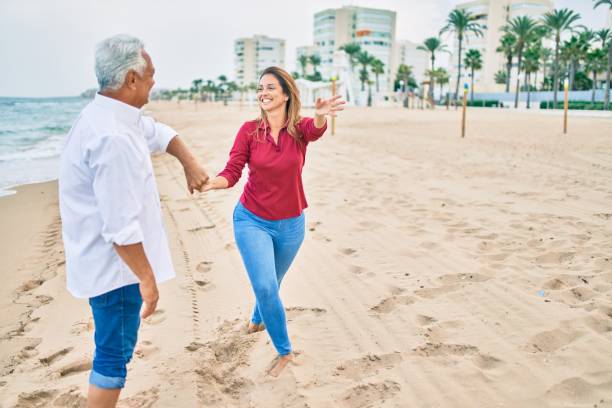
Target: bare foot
254, 328
280, 363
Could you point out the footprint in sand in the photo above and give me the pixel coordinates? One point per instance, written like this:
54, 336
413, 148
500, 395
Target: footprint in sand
30, 285
156, 318
46, 361
71, 398
144, 399
313, 225
357, 270
203, 284
145, 350
391, 303
425, 320
551, 340
83, 326
41, 398
348, 251
204, 266
432, 293
294, 311
555, 258
369, 395
75, 367
368, 365
482, 361
579, 390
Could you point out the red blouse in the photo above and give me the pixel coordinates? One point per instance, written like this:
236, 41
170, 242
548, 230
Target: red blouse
274, 190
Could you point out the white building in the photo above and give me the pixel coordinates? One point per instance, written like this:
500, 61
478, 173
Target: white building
408, 54
253, 55
492, 15
372, 29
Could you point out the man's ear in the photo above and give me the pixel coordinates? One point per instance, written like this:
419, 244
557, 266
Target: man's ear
130, 79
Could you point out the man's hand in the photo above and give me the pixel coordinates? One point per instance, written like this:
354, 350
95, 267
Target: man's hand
196, 177
150, 296
194, 173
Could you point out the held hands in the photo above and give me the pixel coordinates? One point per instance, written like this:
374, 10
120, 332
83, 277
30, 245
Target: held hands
196, 177
329, 106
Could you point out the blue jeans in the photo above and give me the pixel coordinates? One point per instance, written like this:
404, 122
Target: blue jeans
267, 249
117, 319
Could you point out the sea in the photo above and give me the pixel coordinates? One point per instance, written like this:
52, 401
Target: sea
32, 135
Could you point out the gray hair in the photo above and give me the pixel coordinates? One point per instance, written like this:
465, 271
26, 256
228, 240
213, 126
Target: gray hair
115, 57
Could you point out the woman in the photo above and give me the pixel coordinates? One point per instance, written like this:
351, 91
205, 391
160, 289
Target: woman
268, 219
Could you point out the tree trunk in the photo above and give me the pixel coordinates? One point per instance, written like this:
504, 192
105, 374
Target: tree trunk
607, 90
518, 78
431, 79
594, 86
508, 73
556, 71
528, 85
472, 88
460, 38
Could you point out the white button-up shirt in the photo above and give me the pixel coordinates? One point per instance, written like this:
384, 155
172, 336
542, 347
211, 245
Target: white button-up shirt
108, 194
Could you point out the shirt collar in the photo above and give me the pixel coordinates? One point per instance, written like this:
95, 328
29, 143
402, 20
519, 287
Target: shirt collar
263, 124
125, 112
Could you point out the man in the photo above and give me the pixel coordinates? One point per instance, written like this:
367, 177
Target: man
115, 244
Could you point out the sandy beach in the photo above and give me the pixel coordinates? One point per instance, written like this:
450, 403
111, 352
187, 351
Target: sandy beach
436, 272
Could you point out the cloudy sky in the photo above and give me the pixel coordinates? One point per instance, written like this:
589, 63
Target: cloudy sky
46, 47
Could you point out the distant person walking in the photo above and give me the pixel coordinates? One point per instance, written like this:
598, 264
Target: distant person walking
114, 239
269, 219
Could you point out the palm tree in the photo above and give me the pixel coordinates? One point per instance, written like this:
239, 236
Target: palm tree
461, 22
473, 61
303, 60
442, 77
522, 28
559, 21
595, 62
506, 46
545, 54
365, 60
404, 75
574, 51
605, 36
501, 77
352, 49
377, 68
196, 87
531, 65
432, 45
607, 91
315, 60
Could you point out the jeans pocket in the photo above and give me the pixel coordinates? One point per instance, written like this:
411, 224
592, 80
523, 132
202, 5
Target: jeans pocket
99, 301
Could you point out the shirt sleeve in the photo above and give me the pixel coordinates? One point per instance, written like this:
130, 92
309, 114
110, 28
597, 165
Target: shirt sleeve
157, 134
309, 131
239, 156
118, 183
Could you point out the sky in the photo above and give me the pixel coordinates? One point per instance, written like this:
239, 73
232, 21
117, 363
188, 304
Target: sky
46, 47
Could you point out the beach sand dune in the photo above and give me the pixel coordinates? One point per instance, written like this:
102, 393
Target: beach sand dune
436, 272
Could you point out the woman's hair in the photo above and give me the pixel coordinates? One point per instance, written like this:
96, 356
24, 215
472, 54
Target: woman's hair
292, 109
115, 57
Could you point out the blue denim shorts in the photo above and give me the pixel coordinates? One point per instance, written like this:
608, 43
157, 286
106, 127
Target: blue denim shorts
117, 319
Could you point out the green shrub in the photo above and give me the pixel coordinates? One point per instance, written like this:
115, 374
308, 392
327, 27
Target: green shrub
574, 105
